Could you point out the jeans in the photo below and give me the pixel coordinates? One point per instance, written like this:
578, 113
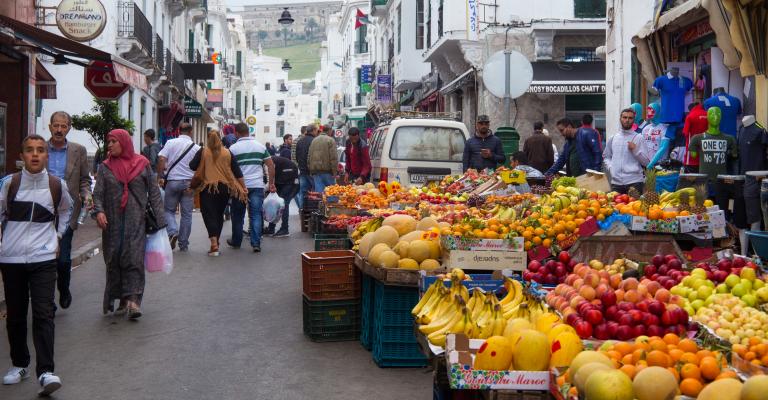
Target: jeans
175, 194
286, 192
64, 262
255, 201
38, 282
305, 185
764, 202
323, 180
624, 189
212, 206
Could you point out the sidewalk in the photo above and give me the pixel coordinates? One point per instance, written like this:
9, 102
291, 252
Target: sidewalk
85, 244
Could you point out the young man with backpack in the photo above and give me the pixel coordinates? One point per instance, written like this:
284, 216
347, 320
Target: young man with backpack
35, 208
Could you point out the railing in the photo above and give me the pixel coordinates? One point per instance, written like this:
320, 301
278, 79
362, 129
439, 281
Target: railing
361, 47
134, 25
167, 66
159, 53
177, 76
193, 56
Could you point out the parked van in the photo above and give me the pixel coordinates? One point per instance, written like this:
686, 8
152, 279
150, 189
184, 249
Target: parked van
416, 151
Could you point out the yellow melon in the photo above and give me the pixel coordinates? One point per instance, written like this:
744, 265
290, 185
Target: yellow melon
402, 223
546, 321
516, 325
443, 225
558, 329
387, 235
494, 355
434, 249
565, 347
608, 385
419, 250
426, 224
408, 263
655, 383
410, 237
365, 244
531, 351
723, 389
755, 388
581, 377
389, 259
375, 252
586, 357
429, 264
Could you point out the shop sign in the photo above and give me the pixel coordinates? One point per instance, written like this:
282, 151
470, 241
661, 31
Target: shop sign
694, 33
81, 20
192, 108
366, 73
472, 20
384, 88
215, 98
566, 88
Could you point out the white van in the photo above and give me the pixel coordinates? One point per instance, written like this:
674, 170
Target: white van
415, 151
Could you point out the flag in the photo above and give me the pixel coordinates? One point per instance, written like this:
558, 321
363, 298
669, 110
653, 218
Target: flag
361, 19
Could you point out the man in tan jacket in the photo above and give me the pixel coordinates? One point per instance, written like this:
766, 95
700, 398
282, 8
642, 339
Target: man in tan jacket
68, 161
323, 160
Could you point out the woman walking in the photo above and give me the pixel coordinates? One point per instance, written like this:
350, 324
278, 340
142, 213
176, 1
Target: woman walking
124, 185
217, 177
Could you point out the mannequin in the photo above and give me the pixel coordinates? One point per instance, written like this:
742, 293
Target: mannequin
730, 107
695, 123
639, 123
753, 144
654, 131
672, 88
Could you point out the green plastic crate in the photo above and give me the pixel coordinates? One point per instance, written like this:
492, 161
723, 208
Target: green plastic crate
332, 241
331, 321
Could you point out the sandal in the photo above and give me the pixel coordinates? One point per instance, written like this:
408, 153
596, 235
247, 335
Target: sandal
133, 311
214, 251
122, 308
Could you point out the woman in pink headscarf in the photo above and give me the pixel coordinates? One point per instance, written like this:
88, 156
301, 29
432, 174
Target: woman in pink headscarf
124, 185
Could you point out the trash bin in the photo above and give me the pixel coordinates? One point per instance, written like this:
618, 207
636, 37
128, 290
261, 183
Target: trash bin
510, 140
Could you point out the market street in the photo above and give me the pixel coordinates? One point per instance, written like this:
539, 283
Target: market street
215, 328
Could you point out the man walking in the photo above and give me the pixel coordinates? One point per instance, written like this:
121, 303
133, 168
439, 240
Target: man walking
323, 160
152, 148
286, 183
68, 161
252, 156
302, 160
626, 156
484, 149
538, 149
581, 151
285, 148
30, 203
177, 153
302, 133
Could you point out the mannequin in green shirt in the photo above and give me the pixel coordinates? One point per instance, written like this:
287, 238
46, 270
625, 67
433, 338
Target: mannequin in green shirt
715, 148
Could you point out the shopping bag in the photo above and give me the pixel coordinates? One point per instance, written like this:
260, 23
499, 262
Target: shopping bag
273, 208
158, 255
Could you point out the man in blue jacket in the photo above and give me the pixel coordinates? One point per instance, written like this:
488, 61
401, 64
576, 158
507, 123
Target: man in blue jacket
484, 149
581, 151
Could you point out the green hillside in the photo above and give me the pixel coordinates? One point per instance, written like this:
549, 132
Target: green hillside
304, 58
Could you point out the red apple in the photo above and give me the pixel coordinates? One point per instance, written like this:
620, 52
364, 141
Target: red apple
601, 332
626, 319
739, 262
650, 269
638, 330
550, 280
663, 269
675, 264
564, 257
719, 276
624, 332
583, 329
669, 317
608, 298
594, 317
534, 266
656, 307
669, 284
570, 319
650, 319
654, 330
670, 257
642, 306
626, 306
611, 312
681, 316
613, 327
560, 271
657, 260
724, 265
637, 316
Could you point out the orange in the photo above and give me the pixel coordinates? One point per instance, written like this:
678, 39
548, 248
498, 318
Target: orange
638, 355
727, 374
675, 354
629, 369
704, 353
754, 341
675, 373
691, 387
761, 349
658, 344
657, 358
688, 346
623, 347
690, 371
750, 355
739, 349
671, 338
561, 237
764, 360
709, 367
614, 355
547, 243
536, 240
627, 359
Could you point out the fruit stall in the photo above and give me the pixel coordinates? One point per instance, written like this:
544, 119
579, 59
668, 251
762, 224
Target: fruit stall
561, 292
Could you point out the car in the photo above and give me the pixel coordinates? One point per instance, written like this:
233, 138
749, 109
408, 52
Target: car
342, 156
416, 151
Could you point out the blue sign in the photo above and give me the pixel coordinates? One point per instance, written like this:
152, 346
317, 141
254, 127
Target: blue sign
384, 88
366, 74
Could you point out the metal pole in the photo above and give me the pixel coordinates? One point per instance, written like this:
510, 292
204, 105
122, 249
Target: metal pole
507, 84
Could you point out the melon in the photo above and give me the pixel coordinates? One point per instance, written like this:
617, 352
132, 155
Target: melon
655, 383
408, 263
558, 329
516, 325
389, 259
586, 357
426, 224
580, 379
546, 321
434, 249
608, 385
755, 388
410, 237
429, 264
419, 250
531, 351
365, 244
402, 223
387, 235
443, 225
494, 355
401, 248
565, 347
375, 252
723, 389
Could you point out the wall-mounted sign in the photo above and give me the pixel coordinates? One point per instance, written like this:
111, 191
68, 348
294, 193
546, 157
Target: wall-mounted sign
251, 120
215, 98
81, 20
384, 88
566, 88
192, 108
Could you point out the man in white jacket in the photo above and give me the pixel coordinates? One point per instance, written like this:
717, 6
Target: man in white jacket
35, 208
625, 156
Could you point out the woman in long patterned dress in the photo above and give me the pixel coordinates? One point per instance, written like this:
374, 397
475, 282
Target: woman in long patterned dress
124, 185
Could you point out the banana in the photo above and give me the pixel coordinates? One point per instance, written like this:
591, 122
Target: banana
425, 298
423, 317
441, 321
499, 323
517, 297
438, 337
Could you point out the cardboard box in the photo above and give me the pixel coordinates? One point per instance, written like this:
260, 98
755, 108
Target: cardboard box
453, 242
488, 282
486, 259
643, 224
459, 354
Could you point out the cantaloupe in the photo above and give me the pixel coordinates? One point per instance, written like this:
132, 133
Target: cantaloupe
442, 225
586, 357
402, 223
565, 347
755, 388
410, 237
408, 263
531, 352
387, 235
429, 264
434, 249
608, 385
494, 355
365, 244
375, 252
581, 377
558, 329
723, 389
516, 325
419, 250
654, 383
401, 248
388, 259
426, 224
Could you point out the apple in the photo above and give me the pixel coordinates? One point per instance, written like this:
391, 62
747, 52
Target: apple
724, 265
675, 264
637, 316
608, 298
626, 319
650, 319
638, 330
670, 257
650, 269
669, 284
624, 332
564, 257
719, 276
656, 307
611, 312
601, 332
594, 317
654, 330
613, 327
571, 319
534, 266
626, 306
642, 306
583, 329
663, 269
655, 277
657, 260
669, 317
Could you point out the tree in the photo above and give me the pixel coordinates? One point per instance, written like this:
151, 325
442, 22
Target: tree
105, 118
263, 35
278, 33
311, 28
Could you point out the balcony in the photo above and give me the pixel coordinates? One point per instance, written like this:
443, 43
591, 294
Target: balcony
198, 10
361, 47
159, 54
134, 34
176, 7
193, 56
377, 6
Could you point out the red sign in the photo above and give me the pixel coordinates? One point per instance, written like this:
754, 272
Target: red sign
102, 82
694, 32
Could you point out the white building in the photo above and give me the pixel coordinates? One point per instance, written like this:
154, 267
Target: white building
270, 89
330, 76
239, 101
355, 53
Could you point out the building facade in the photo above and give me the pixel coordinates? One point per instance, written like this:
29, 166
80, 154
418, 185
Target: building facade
310, 21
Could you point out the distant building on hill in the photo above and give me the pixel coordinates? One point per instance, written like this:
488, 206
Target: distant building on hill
310, 20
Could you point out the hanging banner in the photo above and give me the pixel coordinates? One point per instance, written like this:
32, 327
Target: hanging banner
366, 74
384, 88
473, 25
215, 98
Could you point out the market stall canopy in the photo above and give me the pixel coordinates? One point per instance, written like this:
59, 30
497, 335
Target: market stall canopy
568, 77
45, 84
653, 48
748, 32
465, 78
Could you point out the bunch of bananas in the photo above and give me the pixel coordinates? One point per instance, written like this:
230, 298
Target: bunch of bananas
672, 199
557, 201
503, 213
364, 227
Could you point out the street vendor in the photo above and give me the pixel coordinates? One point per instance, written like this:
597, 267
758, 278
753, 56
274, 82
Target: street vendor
484, 149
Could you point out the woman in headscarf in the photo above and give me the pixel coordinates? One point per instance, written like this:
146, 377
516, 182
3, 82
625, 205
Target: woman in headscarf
218, 177
124, 185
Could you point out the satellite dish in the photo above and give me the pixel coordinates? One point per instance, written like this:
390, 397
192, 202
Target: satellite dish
520, 74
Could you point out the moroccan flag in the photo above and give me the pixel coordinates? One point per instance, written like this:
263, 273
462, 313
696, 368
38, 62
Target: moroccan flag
361, 19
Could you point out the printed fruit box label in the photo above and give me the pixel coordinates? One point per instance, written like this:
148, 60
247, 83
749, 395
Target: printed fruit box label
453, 242
464, 377
491, 260
644, 224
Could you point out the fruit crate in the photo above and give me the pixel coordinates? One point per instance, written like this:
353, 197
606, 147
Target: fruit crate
315, 222
366, 321
305, 216
394, 342
330, 275
332, 241
331, 321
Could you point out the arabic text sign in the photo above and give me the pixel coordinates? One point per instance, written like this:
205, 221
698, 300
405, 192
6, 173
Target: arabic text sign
81, 20
192, 108
102, 82
384, 88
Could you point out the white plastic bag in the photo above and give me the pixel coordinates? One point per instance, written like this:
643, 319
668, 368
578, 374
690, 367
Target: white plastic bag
273, 208
158, 255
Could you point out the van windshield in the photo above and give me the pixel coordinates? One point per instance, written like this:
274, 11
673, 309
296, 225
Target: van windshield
427, 143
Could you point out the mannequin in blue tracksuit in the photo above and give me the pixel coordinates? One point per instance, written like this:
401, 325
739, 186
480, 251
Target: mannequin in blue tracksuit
672, 88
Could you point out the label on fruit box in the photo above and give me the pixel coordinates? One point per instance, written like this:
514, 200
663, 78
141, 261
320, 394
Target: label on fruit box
453, 242
689, 223
490, 260
464, 377
644, 224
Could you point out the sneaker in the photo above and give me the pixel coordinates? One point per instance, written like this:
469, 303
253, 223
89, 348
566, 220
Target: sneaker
15, 375
173, 239
49, 383
257, 249
281, 233
231, 245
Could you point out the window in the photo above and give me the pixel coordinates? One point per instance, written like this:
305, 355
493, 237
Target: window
581, 54
266, 128
239, 58
143, 114
361, 46
359, 95
428, 23
427, 143
589, 8
420, 24
238, 100
377, 144
440, 20
280, 129
266, 87
266, 107
399, 26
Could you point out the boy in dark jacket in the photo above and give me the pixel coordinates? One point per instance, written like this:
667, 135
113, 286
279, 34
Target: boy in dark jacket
484, 149
302, 160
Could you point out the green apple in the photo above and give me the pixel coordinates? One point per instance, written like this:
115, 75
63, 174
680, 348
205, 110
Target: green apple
738, 290
696, 304
688, 280
762, 294
758, 283
690, 310
748, 273
704, 292
750, 299
693, 295
747, 284
722, 288
732, 280
709, 301
699, 273
677, 290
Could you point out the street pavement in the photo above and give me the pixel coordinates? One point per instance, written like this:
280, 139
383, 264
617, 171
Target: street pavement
215, 328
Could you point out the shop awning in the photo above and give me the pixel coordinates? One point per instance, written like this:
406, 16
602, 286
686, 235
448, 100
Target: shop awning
402, 86
568, 78
51, 42
45, 84
464, 79
748, 32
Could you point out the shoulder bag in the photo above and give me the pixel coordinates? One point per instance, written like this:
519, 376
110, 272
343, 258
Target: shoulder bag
165, 178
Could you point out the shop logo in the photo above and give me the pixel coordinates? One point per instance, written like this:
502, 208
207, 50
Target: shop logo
81, 20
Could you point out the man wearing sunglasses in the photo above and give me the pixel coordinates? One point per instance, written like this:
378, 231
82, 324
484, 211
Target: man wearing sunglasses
484, 149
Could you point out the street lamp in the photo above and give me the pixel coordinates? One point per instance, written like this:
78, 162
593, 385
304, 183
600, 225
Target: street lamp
286, 65
285, 17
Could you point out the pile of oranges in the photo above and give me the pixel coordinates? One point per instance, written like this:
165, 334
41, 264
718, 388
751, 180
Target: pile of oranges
755, 353
693, 366
653, 213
